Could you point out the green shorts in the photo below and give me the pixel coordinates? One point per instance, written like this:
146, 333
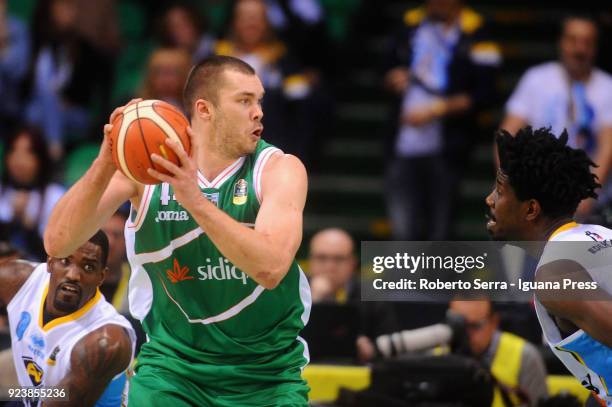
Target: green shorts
155, 386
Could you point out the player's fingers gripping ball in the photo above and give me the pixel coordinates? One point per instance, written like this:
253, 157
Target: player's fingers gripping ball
141, 130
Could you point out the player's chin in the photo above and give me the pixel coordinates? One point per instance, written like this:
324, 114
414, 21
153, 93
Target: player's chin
494, 232
67, 304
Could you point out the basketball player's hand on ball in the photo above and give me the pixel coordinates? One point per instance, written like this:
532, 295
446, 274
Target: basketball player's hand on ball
183, 178
106, 154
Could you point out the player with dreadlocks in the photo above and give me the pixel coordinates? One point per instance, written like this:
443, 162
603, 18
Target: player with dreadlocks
540, 182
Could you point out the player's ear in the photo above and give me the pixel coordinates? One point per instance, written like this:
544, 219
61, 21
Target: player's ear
49, 258
203, 109
103, 276
533, 210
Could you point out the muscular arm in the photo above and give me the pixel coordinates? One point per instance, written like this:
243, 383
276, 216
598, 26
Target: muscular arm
94, 361
91, 201
12, 276
86, 207
265, 253
588, 310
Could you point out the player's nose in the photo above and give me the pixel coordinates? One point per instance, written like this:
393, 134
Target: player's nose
489, 200
257, 112
73, 273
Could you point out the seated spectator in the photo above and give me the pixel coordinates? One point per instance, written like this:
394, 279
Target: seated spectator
14, 61
333, 277
65, 75
516, 365
288, 120
27, 194
166, 75
115, 283
443, 67
183, 27
570, 94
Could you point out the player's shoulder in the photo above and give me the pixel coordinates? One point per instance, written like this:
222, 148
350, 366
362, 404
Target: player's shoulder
584, 233
107, 348
285, 163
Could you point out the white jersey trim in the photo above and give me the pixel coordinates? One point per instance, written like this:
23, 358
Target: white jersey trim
262, 159
143, 208
222, 177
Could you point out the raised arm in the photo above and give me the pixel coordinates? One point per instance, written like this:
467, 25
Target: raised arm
265, 253
90, 202
95, 360
13, 274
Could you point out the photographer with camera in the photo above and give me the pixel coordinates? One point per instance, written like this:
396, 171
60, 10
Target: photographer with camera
472, 329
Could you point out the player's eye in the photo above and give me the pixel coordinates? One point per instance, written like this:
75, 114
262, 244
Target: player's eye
65, 261
244, 101
89, 268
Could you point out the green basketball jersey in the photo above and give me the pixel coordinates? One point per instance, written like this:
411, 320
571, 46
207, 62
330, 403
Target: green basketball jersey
204, 318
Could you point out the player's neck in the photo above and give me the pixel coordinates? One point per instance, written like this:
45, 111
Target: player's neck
212, 162
550, 227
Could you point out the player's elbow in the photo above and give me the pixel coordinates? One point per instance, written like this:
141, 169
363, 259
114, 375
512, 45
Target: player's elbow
272, 277
53, 244
268, 280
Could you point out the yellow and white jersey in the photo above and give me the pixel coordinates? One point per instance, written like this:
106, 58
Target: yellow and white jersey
41, 353
587, 359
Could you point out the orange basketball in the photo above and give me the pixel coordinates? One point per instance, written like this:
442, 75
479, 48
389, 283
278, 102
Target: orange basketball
140, 131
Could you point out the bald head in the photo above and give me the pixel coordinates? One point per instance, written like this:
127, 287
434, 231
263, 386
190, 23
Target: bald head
338, 238
331, 255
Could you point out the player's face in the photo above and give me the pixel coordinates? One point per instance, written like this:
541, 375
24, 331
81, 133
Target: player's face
504, 218
237, 119
578, 45
74, 279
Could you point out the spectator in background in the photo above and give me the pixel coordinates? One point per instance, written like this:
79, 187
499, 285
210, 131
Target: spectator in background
570, 94
516, 365
302, 25
183, 27
14, 61
288, 120
166, 74
333, 277
98, 22
443, 67
65, 75
27, 194
115, 283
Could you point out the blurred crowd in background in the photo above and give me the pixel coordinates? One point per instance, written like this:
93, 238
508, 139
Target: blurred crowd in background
391, 105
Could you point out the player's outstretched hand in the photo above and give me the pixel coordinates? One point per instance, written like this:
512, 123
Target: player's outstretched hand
184, 179
106, 155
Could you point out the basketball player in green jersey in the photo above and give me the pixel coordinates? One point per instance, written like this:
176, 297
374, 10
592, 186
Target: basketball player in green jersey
214, 280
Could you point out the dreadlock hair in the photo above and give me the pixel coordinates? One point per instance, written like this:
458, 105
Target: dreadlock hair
543, 167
